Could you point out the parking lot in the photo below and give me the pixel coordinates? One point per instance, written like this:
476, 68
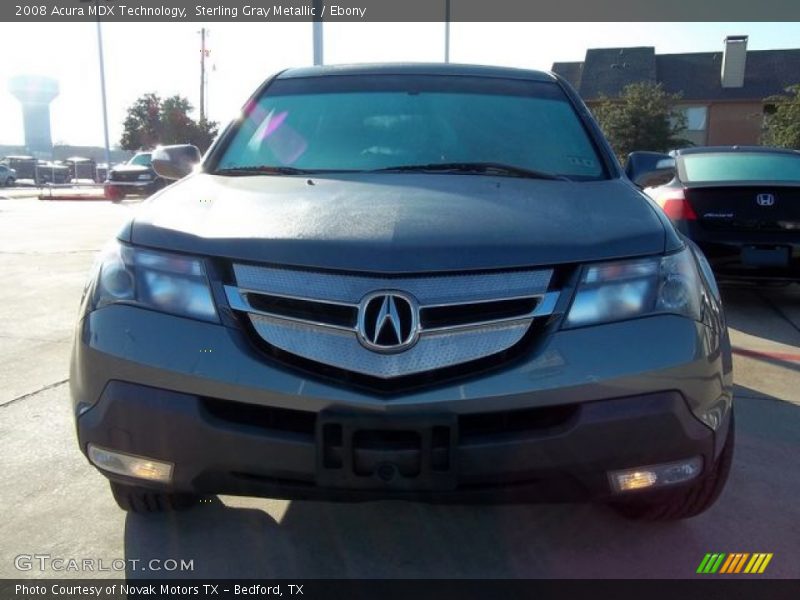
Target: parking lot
56, 504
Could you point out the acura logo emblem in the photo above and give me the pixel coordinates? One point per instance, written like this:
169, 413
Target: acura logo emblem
388, 321
765, 199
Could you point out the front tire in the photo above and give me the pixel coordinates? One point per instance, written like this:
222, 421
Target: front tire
143, 501
692, 500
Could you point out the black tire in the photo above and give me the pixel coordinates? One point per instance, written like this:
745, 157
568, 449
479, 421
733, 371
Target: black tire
144, 501
691, 501
10, 182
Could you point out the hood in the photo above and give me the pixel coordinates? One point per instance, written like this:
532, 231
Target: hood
395, 223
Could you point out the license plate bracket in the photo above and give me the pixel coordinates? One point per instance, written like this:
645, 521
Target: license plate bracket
766, 256
379, 452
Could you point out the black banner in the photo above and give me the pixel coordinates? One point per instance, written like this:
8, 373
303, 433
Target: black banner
708, 588
399, 10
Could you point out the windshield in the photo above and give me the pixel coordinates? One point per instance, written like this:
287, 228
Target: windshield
730, 166
142, 159
346, 123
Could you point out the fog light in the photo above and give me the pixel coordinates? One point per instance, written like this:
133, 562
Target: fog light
132, 466
655, 475
634, 480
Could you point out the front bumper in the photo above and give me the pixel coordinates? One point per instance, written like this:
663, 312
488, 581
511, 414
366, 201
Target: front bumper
549, 426
567, 461
131, 188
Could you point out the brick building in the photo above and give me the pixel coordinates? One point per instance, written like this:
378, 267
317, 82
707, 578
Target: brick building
722, 93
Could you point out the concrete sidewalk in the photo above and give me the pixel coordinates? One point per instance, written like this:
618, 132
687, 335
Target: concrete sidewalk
54, 193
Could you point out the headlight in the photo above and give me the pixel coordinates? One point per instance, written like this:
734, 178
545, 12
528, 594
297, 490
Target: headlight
169, 283
631, 288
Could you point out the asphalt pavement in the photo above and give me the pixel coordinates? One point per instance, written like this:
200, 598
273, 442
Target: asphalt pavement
56, 504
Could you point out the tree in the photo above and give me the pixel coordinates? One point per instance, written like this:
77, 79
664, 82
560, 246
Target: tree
152, 121
782, 126
644, 117
141, 128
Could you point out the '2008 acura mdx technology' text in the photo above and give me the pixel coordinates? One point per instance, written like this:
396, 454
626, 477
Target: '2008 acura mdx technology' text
427, 282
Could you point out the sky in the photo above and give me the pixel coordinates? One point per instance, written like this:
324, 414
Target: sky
164, 57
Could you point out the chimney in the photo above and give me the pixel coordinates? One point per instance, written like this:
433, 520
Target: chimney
734, 59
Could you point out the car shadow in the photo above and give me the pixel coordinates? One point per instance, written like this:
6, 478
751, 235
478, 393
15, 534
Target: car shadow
255, 538
763, 311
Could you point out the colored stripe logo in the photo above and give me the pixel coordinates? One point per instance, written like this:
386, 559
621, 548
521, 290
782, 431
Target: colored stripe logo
737, 562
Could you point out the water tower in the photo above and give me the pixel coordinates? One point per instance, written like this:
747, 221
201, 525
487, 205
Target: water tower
35, 94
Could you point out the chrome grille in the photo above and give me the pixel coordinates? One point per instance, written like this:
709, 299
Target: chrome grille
463, 317
428, 290
341, 349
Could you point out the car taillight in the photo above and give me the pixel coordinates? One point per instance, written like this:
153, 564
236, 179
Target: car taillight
676, 206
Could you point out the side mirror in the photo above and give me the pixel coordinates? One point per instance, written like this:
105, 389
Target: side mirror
174, 162
647, 168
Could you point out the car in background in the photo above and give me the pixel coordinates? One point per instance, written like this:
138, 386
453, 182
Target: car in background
740, 204
52, 172
81, 169
8, 176
134, 178
25, 167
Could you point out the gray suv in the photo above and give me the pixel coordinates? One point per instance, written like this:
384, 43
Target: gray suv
422, 282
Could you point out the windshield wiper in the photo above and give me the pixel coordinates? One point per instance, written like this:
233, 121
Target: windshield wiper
263, 170
483, 168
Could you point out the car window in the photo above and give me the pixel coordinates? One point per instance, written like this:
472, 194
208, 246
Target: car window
141, 159
514, 123
729, 166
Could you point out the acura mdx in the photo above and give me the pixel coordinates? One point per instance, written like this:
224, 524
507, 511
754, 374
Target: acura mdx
423, 282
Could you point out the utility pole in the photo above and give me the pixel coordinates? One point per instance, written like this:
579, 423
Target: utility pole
202, 74
103, 89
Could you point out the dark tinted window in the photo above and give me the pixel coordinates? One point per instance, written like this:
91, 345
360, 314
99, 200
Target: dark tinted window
741, 166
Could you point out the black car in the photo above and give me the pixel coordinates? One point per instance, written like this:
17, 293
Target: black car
741, 205
134, 178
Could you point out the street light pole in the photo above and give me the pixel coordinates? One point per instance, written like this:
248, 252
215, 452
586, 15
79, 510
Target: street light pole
447, 31
317, 33
103, 89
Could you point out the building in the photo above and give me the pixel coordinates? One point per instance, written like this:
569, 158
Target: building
722, 93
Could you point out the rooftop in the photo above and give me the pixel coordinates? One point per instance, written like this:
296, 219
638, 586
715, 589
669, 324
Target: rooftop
696, 76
